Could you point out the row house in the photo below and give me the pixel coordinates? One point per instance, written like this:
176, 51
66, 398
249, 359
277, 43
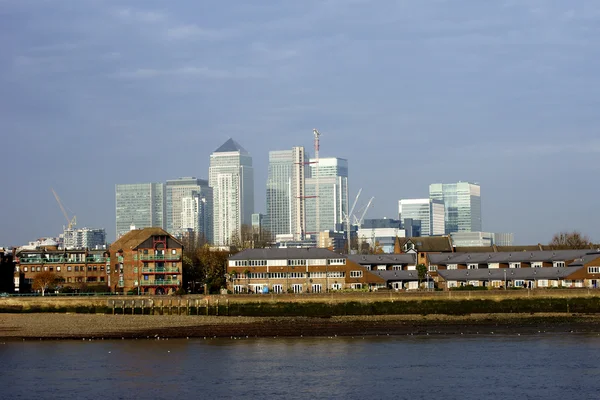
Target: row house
73, 268
296, 270
399, 271
531, 269
146, 261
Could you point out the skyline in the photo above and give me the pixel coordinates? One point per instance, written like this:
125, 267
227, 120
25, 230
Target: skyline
410, 93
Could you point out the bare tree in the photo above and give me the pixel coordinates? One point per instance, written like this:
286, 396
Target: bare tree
570, 240
44, 281
250, 238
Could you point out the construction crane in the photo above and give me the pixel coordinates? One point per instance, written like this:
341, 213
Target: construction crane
71, 222
317, 136
359, 221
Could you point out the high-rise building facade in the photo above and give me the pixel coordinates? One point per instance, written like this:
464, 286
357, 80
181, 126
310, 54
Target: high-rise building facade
429, 212
331, 175
197, 195
196, 214
231, 176
141, 205
462, 201
84, 238
285, 192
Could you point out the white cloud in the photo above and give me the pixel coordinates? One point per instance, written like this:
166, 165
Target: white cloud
192, 31
189, 71
146, 16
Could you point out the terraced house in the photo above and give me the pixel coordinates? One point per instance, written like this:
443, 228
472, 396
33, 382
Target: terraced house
77, 269
146, 261
295, 270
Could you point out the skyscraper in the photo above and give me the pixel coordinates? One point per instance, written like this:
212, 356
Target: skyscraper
141, 205
333, 194
196, 214
231, 176
462, 201
285, 192
429, 212
187, 188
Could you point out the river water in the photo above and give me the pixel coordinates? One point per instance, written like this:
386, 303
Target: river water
558, 366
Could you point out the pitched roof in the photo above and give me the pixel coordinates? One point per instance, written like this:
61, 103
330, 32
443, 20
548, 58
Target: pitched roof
397, 275
286, 254
230, 145
134, 238
511, 273
490, 249
585, 259
506, 257
428, 243
383, 259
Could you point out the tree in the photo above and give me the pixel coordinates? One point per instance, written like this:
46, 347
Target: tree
570, 240
250, 238
422, 272
44, 281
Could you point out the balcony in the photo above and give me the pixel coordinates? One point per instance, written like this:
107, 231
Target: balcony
166, 270
160, 257
97, 259
162, 282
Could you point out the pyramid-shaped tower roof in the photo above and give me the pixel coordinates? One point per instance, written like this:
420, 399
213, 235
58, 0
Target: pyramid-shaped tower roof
231, 145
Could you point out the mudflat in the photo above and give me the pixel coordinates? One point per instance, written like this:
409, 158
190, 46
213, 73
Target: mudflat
78, 326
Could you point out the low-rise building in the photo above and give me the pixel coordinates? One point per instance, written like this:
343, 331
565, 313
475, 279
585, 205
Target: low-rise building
146, 261
294, 270
75, 269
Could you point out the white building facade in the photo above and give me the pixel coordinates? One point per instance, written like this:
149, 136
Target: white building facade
231, 176
462, 203
331, 176
193, 191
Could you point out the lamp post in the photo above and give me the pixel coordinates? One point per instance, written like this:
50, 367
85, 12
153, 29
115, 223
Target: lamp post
504, 278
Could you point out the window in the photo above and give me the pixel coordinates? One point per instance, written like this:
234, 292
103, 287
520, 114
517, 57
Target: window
77, 268
57, 269
38, 269
356, 286
452, 266
356, 274
593, 270
297, 288
397, 268
433, 268
102, 268
537, 264
69, 268
515, 265
277, 289
473, 266
51, 269
316, 288
336, 274
173, 251
45, 268
146, 277
336, 286
559, 264
24, 269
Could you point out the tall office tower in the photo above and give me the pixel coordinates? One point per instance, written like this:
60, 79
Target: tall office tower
429, 212
196, 214
178, 189
333, 194
463, 205
285, 192
141, 205
231, 176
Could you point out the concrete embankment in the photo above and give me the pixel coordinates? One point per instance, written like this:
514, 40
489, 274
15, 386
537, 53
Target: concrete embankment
319, 305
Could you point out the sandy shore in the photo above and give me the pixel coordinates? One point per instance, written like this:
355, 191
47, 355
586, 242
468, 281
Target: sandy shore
71, 326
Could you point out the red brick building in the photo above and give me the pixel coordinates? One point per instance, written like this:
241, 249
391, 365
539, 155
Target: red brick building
146, 261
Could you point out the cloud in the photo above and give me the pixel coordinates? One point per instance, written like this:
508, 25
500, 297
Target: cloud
147, 16
189, 71
192, 31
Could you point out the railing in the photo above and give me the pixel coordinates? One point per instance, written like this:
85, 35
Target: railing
62, 260
160, 257
170, 282
97, 259
160, 270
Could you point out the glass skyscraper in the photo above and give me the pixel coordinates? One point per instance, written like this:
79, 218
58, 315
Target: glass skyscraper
333, 194
141, 205
463, 205
285, 192
428, 211
192, 191
231, 176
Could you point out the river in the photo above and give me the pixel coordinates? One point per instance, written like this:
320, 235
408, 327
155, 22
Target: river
546, 366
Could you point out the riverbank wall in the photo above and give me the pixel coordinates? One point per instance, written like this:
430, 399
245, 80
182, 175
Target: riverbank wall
584, 301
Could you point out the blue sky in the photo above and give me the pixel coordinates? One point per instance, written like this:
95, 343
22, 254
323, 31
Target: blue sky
504, 93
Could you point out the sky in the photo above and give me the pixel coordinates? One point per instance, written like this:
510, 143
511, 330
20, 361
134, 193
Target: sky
504, 93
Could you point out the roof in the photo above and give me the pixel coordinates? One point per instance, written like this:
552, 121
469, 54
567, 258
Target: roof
230, 145
511, 273
429, 243
134, 238
585, 259
383, 259
397, 275
490, 249
507, 257
286, 254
